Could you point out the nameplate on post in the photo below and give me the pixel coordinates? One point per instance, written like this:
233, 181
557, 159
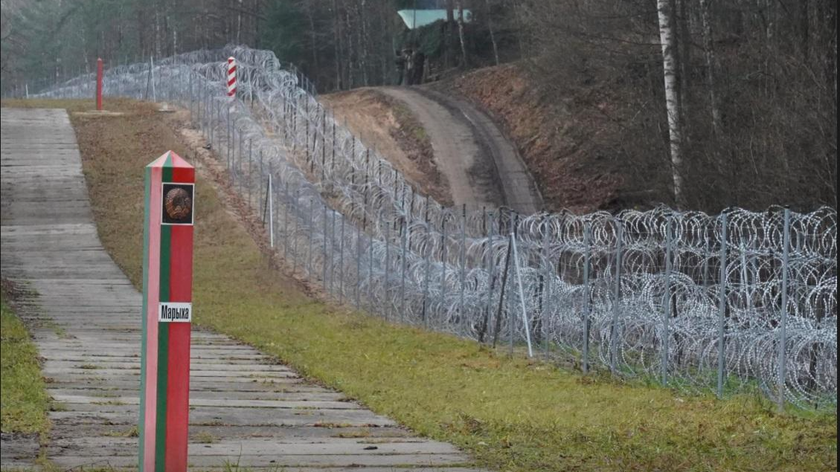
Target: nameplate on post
172, 312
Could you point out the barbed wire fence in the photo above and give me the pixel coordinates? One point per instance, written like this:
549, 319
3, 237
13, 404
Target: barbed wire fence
734, 303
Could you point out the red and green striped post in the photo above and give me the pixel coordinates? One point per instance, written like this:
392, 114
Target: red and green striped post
167, 310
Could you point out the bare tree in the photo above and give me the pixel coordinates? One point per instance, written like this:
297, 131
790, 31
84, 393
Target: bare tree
488, 13
711, 62
670, 70
461, 33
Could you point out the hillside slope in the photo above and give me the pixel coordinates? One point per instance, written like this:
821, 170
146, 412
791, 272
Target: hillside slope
445, 146
394, 131
466, 139
568, 146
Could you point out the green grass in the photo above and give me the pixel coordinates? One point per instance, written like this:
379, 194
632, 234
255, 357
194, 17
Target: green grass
511, 414
23, 397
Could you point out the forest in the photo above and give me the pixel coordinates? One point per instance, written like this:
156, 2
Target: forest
716, 102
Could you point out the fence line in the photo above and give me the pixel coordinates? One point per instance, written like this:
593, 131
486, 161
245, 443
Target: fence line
726, 303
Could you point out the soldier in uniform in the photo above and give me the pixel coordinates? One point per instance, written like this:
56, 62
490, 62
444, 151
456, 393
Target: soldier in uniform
409, 66
418, 62
400, 62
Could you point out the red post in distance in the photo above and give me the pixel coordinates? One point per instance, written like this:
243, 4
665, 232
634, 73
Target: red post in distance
99, 83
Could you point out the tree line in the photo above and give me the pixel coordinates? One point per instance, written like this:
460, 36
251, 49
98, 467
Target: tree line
719, 101
340, 44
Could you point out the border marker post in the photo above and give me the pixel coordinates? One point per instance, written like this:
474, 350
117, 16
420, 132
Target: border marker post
98, 84
167, 313
231, 80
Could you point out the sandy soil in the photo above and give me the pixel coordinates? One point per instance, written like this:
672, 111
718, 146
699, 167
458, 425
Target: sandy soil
483, 168
395, 132
444, 145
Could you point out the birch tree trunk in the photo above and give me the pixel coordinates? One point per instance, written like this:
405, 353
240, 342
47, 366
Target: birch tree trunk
711, 64
157, 33
351, 50
669, 69
313, 38
461, 34
804, 24
450, 23
239, 24
337, 44
257, 22
492, 33
680, 21
363, 43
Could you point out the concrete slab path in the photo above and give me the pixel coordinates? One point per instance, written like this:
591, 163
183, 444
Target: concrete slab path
246, 408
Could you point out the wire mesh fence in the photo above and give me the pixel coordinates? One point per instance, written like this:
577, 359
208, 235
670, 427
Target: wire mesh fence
738, 302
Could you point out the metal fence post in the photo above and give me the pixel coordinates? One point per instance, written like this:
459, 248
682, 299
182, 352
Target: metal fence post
331, 265
706, 255
208, 119
745, 280
371, 304
233, 166
271, 210
202, 108
587, 322
250, 170
324, 261
666, 298
428, 274
443, 256
341, 262
510, 309
296, 221
287, 201
152, 77
521, 297
404, 262
722, 306
783, 325
387, 272
260, 182
619, 231
219, 123
358, 265
463, 261
498, 321
229, 136
546, 301
310, 227
491, 282
193, 106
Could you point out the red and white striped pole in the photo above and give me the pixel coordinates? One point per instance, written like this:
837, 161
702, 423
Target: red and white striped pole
99, 83
231, 80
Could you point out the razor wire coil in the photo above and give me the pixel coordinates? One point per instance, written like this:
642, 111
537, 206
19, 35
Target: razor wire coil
690, 299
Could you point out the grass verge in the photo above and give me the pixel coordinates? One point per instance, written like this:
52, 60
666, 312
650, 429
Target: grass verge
511, 414
23, 396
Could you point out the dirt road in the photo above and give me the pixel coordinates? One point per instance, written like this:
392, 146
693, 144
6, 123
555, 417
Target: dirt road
481, 166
